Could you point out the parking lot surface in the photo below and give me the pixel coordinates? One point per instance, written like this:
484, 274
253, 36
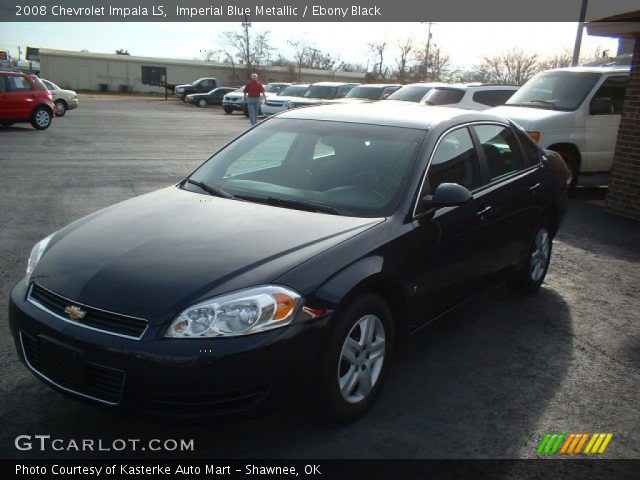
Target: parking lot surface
487, 381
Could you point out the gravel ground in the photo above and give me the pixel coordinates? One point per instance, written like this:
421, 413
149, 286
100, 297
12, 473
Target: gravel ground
488, 381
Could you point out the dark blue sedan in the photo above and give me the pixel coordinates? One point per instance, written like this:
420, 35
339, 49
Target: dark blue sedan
295, 256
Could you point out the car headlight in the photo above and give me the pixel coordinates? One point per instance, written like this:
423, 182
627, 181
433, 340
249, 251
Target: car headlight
36, 254
240, 313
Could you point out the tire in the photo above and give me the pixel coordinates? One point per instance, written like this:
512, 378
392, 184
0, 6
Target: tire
573, 164
228, 110
529, 277
41, 118
61, 108
202, 103
355, 365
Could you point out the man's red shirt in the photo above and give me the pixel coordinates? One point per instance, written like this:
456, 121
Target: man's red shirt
253, 88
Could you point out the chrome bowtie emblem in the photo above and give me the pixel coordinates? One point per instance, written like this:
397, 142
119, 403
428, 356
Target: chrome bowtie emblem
75, 312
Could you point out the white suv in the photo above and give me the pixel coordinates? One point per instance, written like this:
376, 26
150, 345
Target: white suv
470, 96
574, 111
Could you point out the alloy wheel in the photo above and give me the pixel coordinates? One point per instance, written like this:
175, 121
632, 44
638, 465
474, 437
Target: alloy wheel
540, 254
43, 118
361, 359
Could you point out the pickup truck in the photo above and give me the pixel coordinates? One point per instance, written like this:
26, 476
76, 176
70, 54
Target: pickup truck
202, 85
574, 111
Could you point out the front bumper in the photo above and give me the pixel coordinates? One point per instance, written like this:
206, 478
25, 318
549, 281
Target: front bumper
73, 104
234, 104
160, 376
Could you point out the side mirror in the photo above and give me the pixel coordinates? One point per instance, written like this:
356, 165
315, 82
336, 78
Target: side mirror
447, 195
601, 106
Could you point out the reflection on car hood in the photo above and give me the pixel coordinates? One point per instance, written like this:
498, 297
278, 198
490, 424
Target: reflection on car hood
154, 255
534, 118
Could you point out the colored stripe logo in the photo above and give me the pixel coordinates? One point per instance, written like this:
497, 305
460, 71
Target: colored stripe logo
574, 443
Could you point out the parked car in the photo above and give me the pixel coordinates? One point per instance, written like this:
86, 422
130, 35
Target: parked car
201, 85
413, 92
63, 99
470, 96
24, 98
214, 97
227, 291
278, 103
234, 101
319, 92
574, 111
367, 92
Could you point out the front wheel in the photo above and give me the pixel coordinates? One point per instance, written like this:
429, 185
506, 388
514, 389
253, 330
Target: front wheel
356, 360
202, 103
228, 110
61, 108
531, 274
41, 118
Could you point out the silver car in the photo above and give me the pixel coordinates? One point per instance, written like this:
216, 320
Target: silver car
63, 99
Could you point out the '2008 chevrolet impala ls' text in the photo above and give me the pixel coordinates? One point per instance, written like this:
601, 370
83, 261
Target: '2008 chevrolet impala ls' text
297, 253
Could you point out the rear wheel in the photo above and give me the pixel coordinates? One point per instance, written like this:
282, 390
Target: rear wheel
202, 103
531, 274
61, 108
41, 118
356, 361
6, 124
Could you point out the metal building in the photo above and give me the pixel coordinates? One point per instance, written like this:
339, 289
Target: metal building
111, 72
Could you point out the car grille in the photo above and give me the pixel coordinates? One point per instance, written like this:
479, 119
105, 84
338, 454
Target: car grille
94, 318
222, 403
100, 383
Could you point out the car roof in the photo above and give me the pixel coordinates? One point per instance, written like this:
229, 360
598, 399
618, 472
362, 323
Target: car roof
380, 85
477, 86
334, 84
389, 113
593, 69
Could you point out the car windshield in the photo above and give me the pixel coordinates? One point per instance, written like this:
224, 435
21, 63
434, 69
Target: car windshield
555, 90
413, 93
326, 92
293, 91
272, 88
443, 96
370, 93
349, 168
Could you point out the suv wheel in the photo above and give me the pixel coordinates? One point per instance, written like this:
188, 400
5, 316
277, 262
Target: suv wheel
574, 167
61, 108
357, 358
41, 118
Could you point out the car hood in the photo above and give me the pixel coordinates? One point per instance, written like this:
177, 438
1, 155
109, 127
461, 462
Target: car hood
156, 254
308, 101
531, 118
283, 99
348, 101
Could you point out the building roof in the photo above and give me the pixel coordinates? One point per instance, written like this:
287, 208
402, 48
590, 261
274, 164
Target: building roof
44, 52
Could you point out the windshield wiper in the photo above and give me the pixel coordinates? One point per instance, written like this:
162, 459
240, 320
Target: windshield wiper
531, 103
210, 189
545, 102
290, 203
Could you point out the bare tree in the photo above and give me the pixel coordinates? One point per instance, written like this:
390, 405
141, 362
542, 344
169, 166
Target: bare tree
378, 50
300, 54
252, 53
510, 67
433, 64
405, 49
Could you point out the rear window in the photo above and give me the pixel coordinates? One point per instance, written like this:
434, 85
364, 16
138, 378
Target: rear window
369, 93
19, 84
493, 98
413, 93
293, 91
443, 96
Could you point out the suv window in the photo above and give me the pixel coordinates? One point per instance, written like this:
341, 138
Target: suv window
492, 98
343, 90
613, 88
443, 96
18, 84
501, 150
455, 161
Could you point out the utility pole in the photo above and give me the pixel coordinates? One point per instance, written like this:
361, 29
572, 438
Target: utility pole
19, 53
427, 59
246, 24
576, 47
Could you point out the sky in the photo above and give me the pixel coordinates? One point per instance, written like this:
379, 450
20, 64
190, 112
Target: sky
464, 43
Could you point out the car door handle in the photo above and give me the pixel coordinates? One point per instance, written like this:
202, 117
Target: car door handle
535, 187
484, 213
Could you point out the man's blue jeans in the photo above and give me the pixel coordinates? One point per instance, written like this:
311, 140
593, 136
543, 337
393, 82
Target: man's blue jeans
253, 105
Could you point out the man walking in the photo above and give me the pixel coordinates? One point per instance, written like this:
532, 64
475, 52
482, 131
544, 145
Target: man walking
252, 91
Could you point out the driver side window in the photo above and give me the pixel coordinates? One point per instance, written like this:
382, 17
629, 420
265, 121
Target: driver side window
455, 161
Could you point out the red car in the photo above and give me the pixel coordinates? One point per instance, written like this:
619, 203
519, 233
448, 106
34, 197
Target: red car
24, 98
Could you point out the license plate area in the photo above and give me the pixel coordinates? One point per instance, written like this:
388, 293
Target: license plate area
61, 362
